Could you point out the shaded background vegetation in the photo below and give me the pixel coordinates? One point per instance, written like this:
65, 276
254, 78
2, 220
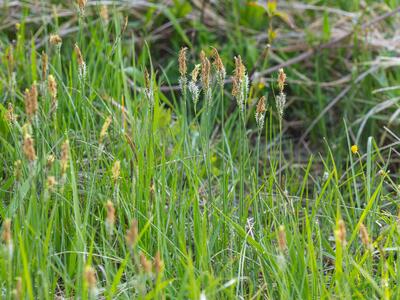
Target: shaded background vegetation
346, 80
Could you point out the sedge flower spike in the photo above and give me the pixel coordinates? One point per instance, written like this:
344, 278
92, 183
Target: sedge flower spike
205, 75
260, 112
219, 67
240, 83
55, 40
281, 98
31, 101
282, 244
193, 88
81, 63
340, 233
7, 236
110, 219
182, 69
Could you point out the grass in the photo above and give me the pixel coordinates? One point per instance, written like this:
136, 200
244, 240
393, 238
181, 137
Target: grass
130, 190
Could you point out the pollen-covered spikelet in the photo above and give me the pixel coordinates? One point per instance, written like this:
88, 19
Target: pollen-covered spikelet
17, 170
340, 233
31, 101
148, 89
52, 86
158, 264
132, 234
81, 62
44, 64
104, 129
11, 117
29, 148
365, 239
64, 157
51, 182
193, 88
104, 13
281, 98
282, 239
240, 83
281, 80
219, 67
116, 169
205, 75
110, 219
55, 40
7, 236
50, 160
81, 5
260, 112
17, 292
146, 265
90, 279
182, 69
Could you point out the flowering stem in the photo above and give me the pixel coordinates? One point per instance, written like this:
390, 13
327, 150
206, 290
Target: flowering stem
241, 171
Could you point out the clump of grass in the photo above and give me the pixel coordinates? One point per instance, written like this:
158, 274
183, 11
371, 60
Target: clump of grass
137, 206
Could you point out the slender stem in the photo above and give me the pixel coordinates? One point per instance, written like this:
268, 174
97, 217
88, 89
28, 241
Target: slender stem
280, 151
241, 170
224, 171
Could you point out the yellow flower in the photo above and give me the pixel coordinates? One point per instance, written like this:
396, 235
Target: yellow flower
354, 149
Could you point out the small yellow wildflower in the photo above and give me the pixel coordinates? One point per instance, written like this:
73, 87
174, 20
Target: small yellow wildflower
354, 149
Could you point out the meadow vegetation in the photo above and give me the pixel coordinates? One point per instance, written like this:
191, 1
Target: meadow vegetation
199, 150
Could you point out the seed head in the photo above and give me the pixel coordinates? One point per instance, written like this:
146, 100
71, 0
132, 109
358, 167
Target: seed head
193, 88
110, 219
52, 86
104, 129
158, 263
341, 232
50, 160
6, 236
18, 289
205, 71
18, 169
282, 239
29, 148
260, 112
31, 101
354, 149
182, 61
281, 80
64, 157
365, 236
146, 265
11, 117
132, 234
240, 83
148, 88
90, 278
44, 65
116, 170
280, 104
219, 67
104, 13
81, 62
195, 72
55, 40
81, 5
51, 182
